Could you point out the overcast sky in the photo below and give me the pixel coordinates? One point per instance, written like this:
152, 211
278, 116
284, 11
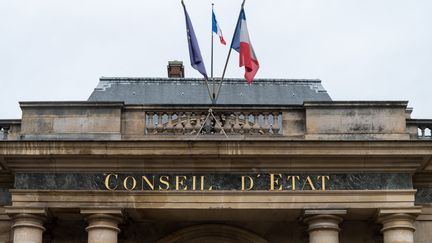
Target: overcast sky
52, 50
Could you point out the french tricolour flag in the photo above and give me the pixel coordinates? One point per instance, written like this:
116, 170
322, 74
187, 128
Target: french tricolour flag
242, 44
216, 29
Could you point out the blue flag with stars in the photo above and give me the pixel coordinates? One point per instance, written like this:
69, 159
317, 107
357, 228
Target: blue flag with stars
194, 50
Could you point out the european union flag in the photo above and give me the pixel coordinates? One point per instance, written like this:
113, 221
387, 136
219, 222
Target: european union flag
194, 50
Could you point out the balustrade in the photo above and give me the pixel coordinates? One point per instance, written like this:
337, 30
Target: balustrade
424, 127
5, 126
424, 132
183, 122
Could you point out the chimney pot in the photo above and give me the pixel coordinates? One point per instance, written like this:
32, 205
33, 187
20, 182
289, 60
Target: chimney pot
175, 69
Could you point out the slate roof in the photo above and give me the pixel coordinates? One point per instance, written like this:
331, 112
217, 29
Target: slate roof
191, 91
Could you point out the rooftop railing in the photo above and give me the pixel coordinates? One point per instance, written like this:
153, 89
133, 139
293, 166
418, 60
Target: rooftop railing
5, 125
424, 127
259, 122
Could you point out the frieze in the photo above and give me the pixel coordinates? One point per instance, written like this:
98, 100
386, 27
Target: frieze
424, 196
239, 181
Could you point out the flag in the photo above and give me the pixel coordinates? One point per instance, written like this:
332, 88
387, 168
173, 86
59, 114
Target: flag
216, 29
242, 44
194, 50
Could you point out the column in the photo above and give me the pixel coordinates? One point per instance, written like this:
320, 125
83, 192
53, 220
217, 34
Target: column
102, 224
27, 224
398, 225
323, 225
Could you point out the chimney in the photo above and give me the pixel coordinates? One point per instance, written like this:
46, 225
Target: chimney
175, 69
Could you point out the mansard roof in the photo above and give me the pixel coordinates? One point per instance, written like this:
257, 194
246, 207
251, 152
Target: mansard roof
193, 91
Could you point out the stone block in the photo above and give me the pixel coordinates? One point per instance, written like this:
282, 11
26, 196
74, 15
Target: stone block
356, 120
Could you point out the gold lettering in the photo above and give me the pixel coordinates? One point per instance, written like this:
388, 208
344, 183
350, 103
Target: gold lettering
251, 183
126, 183
180, 182
323, 181
274, 182
193, 183
164, 180
293, 181
203, 185
147, 181
308, 181
107, 182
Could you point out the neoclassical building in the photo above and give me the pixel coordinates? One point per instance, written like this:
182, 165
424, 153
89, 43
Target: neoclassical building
153, 160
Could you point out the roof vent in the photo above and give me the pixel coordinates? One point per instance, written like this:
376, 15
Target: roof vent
175, 69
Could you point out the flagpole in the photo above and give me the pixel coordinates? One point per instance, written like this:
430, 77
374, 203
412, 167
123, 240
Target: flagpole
229, 54
211, 73
191, 47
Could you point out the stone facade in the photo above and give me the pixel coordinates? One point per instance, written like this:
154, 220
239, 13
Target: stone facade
318, 171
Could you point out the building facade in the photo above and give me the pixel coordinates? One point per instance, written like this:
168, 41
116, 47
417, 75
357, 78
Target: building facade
152, 160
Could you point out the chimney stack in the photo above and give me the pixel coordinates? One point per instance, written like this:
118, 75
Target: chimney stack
175, 69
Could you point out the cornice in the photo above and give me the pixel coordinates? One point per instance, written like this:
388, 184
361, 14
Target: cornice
181, 155
270, 147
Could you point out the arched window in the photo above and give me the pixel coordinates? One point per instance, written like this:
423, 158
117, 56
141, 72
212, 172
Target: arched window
212, 233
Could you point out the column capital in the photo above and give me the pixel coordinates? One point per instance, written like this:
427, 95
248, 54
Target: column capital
323, 219
398, 224
416, 210
105, 218
27, 217
323, 224
312, 212
27, 224
102, 224
109, 211
12, 211
398, 218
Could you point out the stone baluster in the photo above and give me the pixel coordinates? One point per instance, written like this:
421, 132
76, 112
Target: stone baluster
275, 124
266, 125
236, 126
159, 126
398, 224
169, 125
150, 124
182, 120
177, 126
27, 224
422, 132
188, 126
5, 131
323, 225
242, 119
198, 122
102, 224
227, 125
193, 122
247, 127
217, 127
203, 122
256, 126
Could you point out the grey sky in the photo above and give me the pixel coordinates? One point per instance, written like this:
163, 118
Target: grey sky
360, 49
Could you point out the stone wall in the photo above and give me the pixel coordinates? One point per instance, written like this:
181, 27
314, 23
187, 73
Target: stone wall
356, 120
70, 120
335, 120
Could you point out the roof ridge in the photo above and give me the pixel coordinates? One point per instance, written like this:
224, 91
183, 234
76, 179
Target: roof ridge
164, 79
